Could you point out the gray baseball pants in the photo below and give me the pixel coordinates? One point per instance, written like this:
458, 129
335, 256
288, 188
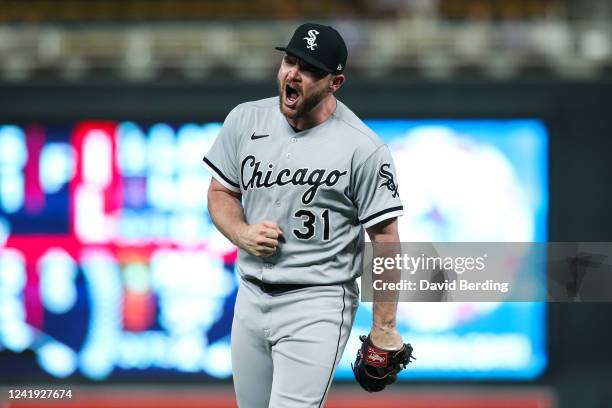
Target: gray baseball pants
287, 342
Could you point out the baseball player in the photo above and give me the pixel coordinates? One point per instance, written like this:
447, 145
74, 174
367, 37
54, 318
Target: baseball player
296, 180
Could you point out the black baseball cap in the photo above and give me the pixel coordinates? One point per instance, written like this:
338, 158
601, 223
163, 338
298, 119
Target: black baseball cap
319, 45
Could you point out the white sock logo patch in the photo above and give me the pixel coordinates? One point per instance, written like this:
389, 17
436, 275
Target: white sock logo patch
310, 40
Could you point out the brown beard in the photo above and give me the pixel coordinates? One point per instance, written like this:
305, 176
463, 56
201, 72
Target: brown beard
305, 105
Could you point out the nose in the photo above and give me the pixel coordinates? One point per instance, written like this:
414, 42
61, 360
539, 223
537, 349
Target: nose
293, 72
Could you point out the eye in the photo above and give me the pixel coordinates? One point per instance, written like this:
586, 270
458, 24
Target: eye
304, 66
316, 72
289, 60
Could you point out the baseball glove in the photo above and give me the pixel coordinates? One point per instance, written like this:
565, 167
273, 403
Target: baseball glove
376, 368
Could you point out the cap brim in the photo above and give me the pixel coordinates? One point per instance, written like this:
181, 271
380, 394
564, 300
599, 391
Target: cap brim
306, 57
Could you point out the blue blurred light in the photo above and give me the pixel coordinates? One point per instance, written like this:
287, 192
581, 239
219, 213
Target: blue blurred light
57, 281
132, 152
102, 276
57, 359
13, 150
56, 166
162, 152
12, 194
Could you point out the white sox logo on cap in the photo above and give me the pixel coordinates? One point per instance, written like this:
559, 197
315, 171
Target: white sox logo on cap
310, 40
318, 45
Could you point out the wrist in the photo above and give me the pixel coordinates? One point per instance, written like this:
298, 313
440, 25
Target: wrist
386, 338
383, 328
238, 233
387, 322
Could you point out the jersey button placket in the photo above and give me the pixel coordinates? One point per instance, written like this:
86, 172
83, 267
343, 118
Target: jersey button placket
288, 152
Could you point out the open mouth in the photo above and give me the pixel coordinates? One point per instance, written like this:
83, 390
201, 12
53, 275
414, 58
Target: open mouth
291, 95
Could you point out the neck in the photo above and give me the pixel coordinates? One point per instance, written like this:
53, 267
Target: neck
317, 115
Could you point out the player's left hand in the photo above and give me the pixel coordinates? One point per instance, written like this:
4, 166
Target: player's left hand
376, 367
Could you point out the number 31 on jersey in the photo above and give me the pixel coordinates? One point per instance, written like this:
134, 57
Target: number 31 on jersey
308, 228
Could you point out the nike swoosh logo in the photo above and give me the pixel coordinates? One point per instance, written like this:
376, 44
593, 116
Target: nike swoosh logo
255, 137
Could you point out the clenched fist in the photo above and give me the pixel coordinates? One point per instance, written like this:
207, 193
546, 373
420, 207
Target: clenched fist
259, 239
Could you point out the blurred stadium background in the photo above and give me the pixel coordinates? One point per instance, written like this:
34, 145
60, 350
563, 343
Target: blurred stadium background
114, 283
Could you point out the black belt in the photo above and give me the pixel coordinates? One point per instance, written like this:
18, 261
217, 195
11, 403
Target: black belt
277, 287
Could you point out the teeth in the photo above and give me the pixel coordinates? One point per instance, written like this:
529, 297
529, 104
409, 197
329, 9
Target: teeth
291, 95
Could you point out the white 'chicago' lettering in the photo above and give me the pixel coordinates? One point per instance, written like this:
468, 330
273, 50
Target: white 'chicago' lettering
252, 177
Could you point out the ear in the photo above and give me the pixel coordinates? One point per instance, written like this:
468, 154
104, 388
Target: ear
336, 82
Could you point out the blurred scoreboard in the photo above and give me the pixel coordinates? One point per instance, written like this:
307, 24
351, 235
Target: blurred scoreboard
111, 269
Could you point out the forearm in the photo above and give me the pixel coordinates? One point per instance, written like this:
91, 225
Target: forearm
227, 214
384, 315
385, 241
385, 302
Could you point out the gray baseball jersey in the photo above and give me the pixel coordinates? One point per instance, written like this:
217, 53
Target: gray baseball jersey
322, 186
